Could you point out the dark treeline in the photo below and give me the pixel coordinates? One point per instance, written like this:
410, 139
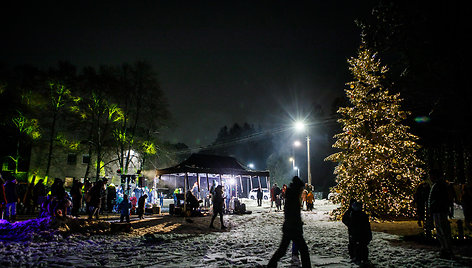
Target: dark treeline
246, 143
108, 112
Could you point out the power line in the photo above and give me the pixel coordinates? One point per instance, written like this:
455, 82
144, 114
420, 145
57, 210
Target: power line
252, 136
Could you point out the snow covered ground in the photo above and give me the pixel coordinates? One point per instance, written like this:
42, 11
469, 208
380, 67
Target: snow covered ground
250, 241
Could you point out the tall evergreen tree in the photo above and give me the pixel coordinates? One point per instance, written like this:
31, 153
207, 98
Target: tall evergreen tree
377, 163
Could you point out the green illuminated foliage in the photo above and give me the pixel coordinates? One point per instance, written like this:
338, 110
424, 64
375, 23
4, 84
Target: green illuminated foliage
149, 147
30, 127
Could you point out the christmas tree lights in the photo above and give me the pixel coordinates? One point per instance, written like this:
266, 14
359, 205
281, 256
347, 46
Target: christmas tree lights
377, 163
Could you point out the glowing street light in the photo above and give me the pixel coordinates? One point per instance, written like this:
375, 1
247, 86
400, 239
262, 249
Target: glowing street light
251, 165
293, 161
300, 126
298, 171
297, 143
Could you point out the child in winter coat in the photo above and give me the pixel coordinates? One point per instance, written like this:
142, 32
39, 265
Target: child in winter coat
359, 231
310, 198
124, 208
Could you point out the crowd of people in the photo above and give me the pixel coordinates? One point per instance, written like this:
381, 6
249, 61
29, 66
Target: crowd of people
83, 198
434, 200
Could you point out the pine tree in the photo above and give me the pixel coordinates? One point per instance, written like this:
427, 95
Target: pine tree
377, 163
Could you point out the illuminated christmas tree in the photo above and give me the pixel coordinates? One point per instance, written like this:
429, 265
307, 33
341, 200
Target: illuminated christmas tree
377, 163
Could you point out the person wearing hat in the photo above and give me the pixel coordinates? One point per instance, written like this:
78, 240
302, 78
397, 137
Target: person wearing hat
218, 202
360, 234
292, 229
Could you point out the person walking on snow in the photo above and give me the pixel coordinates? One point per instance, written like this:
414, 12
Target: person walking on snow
292, 229
218, 203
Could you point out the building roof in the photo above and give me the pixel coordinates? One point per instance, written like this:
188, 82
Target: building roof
212, 164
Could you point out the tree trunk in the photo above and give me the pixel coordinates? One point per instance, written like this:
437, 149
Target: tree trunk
51, 141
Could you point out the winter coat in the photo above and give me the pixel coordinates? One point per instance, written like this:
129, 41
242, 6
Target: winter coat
141, 202
124, 207
440, 200
310, 198
218, 201
76, 190
277, 192
57, 190
39, 192
11, 193
96, 195
293, 221
358, 226
111, 193
259, 194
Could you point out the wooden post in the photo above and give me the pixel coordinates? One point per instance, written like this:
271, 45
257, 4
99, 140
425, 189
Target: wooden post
220, 178
185, 192
236, 186
250, 180
198, 185
208, 183
241, 182
259, 179
268, 182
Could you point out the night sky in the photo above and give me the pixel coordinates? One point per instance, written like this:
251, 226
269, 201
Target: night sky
219, 63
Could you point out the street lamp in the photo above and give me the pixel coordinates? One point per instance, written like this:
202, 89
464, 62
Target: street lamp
298, 171
301, 127
292, 159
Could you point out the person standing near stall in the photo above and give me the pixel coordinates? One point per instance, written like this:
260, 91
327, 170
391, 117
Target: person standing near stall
259, 197
218, 204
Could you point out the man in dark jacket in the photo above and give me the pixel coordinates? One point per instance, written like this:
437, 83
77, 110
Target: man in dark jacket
11, 196
360, 234
111, 197
141, 206
218, 203
39, 193
293, 226
96, 194
259, 197
76, 194
440, 206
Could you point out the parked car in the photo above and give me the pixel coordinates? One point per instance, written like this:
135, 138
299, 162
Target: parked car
331, 196
265, 194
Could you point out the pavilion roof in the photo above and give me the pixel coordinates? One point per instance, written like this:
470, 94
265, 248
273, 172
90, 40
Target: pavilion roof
211, 164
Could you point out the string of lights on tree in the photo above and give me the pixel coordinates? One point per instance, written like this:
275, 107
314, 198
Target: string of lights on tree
377, 162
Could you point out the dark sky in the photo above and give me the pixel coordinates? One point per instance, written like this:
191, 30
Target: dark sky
219, 63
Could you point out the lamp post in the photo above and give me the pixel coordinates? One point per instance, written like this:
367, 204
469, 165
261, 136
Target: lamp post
298, 171
292, 159
300, 126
